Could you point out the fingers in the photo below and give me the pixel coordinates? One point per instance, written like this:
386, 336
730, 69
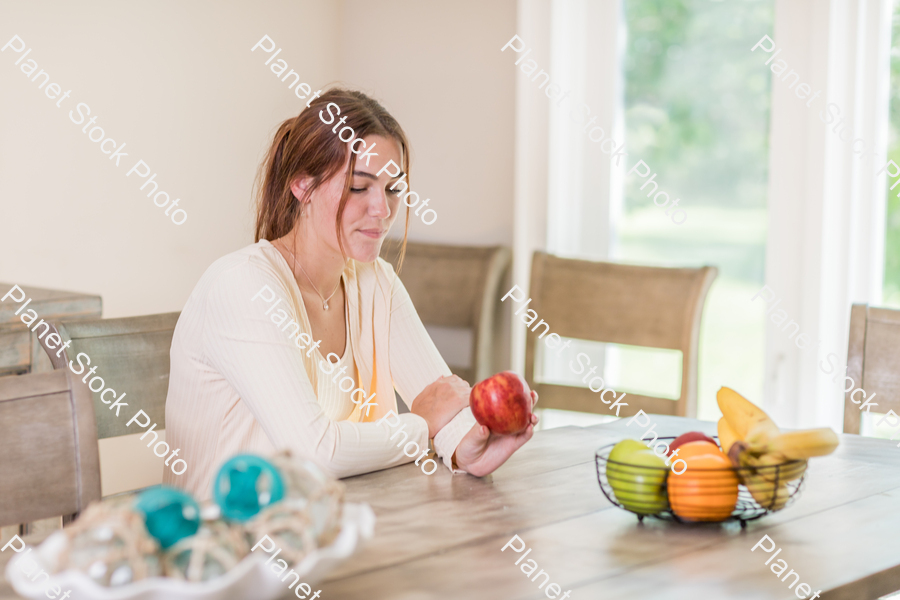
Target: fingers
511, 443
457, 380
453, 390
436, 384
479, 433
456, 383
534, 397
523, 437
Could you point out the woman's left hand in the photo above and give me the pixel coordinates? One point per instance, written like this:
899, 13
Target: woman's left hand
481, 452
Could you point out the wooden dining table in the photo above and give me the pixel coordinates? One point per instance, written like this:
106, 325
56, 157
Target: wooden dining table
441, 535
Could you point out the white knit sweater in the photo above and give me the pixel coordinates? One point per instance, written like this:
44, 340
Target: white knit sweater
238, 383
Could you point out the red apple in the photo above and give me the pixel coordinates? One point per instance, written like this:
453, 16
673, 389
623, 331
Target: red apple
691, 436
502, 403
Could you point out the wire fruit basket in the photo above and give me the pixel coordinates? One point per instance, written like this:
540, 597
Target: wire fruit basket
704, 496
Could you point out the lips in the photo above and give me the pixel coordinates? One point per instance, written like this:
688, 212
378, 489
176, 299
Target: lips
373, 233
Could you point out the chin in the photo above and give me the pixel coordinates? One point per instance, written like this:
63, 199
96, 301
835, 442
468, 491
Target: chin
366, 253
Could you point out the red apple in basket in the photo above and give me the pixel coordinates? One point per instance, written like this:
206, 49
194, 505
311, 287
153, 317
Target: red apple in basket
690, 436
502, 403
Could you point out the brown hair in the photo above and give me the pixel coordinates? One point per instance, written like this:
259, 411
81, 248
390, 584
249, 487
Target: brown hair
304, 146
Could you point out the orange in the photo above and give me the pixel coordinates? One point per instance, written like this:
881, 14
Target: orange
707, 490
693, 449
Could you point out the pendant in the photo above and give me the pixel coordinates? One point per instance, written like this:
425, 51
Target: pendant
325, 304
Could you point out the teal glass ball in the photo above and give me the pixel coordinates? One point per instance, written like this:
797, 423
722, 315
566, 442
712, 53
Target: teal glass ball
169, 514
245, 485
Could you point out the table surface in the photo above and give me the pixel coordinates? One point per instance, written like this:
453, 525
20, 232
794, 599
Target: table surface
440, 536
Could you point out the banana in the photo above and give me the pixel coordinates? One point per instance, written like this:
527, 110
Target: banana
775, 466
765, 458
802, 444
771, 467
744, 416
766, 493
761, 433
727, 436
737, 450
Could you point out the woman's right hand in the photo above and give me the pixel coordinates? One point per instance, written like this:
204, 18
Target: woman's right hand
440, 401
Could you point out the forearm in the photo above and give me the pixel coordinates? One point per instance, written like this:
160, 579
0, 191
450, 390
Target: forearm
416, 364
349, 449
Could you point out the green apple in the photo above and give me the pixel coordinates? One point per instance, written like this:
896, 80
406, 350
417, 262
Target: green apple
638, 480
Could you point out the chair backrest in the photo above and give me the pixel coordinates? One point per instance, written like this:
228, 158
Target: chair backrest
49, 464
872, 361
131, 355
456, 286
20, 352
655, 307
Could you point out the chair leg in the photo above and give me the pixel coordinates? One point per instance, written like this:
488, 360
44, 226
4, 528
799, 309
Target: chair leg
24, 529
66, 519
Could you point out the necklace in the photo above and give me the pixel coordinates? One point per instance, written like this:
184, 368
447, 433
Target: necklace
324, 300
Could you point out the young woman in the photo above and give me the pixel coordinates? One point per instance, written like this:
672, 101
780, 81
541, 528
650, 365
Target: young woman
300, 340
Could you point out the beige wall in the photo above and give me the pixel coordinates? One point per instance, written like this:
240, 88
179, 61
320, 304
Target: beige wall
437, 67
176, 82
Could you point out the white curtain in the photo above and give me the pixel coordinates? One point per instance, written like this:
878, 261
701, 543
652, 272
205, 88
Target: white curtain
566, 192
825, 244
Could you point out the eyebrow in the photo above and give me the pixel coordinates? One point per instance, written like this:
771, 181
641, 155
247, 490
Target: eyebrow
371, 176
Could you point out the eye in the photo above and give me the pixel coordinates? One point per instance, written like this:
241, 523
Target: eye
394, 192
358, 190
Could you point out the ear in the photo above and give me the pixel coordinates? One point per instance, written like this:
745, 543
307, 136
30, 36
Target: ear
299, 186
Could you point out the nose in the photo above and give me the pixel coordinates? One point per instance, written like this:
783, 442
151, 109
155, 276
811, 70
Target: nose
378, 206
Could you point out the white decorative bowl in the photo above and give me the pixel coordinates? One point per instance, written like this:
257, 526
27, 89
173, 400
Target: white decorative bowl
251, 579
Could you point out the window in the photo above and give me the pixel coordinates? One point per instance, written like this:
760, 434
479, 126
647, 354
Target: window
891, 285
891, 281
697, 113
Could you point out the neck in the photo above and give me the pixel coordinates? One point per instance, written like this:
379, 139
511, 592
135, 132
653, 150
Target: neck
322, 265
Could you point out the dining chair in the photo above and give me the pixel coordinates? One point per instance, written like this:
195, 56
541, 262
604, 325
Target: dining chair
653, 307
132, 356
48, 444
456, 287
872, 361
20, 350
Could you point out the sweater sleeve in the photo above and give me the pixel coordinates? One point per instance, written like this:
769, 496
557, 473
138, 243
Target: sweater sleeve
265, 368
416, 363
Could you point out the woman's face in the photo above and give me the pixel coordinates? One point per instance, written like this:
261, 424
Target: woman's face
371, 206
